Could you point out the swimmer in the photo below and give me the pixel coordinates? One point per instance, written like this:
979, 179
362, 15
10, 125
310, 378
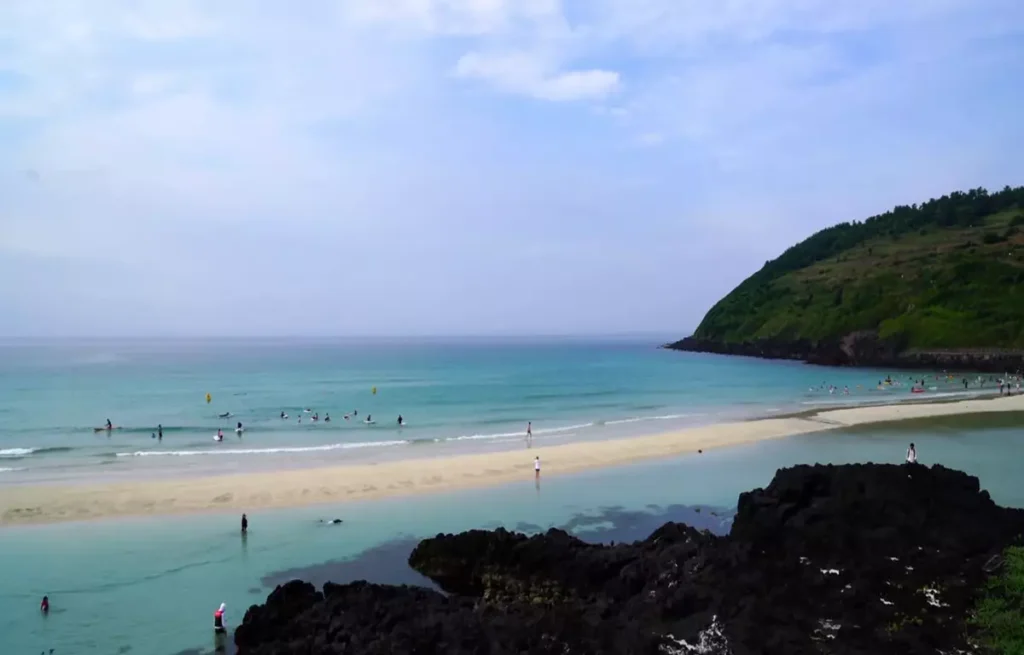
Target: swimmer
331, 521
400, 420
327, 418
245, 524
225, 415
110, 426
159, 432
283, 415
44, 606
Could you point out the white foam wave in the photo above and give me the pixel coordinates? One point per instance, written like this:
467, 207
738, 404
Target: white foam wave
263, 451
11, 470
906, 397
16, 452
521, 433
639, 419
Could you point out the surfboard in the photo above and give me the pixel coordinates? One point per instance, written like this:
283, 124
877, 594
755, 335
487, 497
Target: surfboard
116, 427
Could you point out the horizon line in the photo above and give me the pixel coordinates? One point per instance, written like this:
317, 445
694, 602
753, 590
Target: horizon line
338, 337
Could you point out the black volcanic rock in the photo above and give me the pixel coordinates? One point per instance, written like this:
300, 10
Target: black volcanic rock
861, 348
826, 559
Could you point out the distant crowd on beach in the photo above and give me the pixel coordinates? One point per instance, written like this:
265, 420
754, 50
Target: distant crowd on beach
1007, 384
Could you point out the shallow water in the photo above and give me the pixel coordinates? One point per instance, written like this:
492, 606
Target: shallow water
455, 396
149, 586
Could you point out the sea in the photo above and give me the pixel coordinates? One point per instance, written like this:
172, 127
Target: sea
150, 585
453, 396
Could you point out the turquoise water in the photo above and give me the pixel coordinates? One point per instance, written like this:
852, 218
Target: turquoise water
149, 586
453, 395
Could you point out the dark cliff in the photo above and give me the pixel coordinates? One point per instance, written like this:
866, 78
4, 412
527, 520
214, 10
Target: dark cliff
827, 559
863, 348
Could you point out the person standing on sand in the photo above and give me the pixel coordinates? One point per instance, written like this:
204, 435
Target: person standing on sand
911, 455
536, 468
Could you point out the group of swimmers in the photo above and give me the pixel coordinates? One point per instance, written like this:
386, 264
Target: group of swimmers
315, 417
239, 428
327, 417
1006, 384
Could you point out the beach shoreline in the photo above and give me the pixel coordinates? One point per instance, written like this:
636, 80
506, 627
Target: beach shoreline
254, 491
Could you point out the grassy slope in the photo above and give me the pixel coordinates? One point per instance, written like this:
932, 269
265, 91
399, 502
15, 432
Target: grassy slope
999, 616
935, 288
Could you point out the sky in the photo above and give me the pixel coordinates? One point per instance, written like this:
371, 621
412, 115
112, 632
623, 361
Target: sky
485, 167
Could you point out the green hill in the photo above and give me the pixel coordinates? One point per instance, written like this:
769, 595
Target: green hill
946, 274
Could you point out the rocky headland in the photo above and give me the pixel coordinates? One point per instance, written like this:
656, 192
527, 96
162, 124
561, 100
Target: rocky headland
862, 348
931, 285
867, 559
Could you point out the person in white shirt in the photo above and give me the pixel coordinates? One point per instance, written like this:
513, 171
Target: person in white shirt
911, 455
536, 466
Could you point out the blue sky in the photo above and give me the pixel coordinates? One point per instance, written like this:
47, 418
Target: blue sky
405, 167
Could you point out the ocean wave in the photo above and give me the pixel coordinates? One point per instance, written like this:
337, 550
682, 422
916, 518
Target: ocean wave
18, 453
847, 401
520, 433
263, 451
148, 429
556, 395
640, 419
10, 470
95, 359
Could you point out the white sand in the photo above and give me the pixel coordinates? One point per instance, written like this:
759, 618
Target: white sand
290, 488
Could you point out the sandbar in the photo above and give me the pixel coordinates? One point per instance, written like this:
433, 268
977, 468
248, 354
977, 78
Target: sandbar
250, 492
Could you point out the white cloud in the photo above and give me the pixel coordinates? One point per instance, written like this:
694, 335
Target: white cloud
382, 148
457, 17
529, 75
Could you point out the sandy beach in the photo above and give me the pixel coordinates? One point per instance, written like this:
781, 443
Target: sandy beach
290, 488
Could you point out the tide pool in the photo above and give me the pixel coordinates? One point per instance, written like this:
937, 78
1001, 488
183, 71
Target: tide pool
149, 586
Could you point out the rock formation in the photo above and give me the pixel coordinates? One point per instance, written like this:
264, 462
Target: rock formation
862, 348
868, 559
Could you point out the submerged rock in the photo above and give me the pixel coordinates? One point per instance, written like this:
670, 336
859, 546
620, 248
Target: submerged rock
829, 559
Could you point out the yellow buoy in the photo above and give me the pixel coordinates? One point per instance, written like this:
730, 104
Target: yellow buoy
208, 398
